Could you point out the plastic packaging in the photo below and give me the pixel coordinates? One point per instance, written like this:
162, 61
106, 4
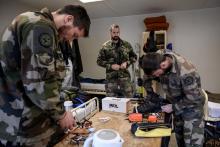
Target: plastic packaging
68, 105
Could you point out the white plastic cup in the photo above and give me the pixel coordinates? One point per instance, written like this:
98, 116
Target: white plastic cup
68, 105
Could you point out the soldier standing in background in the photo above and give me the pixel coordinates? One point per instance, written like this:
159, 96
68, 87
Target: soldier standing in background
31, 73
116, 56
181, 83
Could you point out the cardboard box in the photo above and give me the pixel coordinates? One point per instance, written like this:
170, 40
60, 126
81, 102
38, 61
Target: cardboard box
115, 104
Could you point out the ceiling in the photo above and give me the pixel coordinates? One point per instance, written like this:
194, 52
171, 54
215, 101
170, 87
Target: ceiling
116, 8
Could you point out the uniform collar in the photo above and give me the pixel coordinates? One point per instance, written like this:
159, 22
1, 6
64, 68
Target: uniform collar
46, 13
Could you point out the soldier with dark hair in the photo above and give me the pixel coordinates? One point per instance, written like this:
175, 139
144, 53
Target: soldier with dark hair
32, 72
181, 83
116, 56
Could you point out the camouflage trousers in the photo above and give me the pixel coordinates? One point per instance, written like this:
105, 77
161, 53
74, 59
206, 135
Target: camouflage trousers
5, 143
119, 88
47, 139
190, 132
40, 140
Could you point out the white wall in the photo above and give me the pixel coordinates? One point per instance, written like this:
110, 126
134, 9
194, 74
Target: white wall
8, 11
194, 34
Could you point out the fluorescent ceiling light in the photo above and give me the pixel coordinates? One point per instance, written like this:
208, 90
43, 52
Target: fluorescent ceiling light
88, 1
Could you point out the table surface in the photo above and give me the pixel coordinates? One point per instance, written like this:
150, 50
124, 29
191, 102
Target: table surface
119, 123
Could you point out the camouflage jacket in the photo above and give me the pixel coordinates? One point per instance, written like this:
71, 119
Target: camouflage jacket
111, 54
182, 86
32, 71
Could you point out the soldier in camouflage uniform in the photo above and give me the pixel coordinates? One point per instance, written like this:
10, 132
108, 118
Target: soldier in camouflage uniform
31, 72
181, 83
116, 56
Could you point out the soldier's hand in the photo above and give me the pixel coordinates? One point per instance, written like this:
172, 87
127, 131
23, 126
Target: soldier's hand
124, 65
67, 121
167, 108
115, 66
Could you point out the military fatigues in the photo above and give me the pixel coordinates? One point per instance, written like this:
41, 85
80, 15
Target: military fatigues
183, 89
118, 82
32, 73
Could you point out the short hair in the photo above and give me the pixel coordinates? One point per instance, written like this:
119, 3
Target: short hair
81, 18
113, 26
151, 62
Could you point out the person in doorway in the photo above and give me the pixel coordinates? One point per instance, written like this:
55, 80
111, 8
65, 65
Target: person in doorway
181, 83
31, 73
116, 56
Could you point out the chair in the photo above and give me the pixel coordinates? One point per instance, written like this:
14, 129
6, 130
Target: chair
212, 126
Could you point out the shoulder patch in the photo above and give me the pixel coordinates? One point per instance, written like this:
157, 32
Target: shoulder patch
188, 81
45, 40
